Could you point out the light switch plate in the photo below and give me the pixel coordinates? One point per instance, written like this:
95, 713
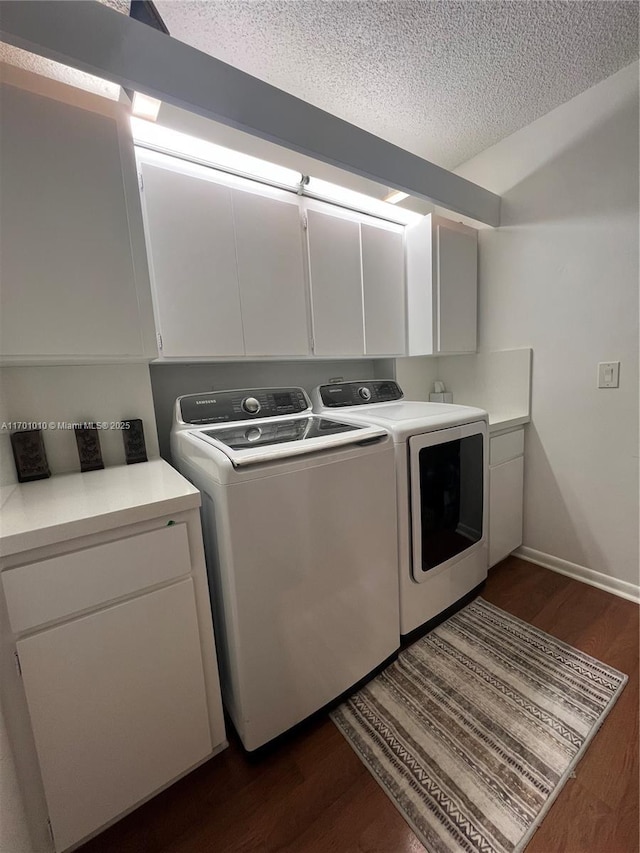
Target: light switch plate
608, 374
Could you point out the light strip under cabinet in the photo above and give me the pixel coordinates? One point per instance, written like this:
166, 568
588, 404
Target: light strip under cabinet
326, 191
169, 141
172, 142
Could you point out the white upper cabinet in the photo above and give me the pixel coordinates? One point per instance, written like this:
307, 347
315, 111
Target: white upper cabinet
383, 290
269, 248
356, 270
74, 281
192, 259
442, 287
226, 262
457, 263
241, 269
336, 284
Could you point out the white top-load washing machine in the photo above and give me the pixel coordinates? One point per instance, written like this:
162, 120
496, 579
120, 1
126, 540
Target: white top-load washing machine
442, 492
300, 539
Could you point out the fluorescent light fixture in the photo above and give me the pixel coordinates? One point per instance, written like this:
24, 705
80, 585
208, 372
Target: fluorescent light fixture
168, 141
359, 201
144, 106
173, 142
395, 196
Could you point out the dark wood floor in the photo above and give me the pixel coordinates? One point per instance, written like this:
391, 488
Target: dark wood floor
314, 796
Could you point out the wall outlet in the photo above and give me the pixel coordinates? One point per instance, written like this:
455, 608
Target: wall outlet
609, 374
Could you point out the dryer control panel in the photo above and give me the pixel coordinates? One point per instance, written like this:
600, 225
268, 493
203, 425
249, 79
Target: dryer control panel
359, 393
214, 407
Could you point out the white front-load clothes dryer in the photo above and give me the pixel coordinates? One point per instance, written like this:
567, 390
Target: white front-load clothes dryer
300, 540
441, 480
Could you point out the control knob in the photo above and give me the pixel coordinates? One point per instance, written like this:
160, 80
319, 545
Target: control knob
364, 394
253, 434
251, 405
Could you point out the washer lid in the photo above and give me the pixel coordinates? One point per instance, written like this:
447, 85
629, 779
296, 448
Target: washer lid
412, 417
266, 440
407, 410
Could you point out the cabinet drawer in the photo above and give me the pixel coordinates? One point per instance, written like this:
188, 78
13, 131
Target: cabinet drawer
505, 447
52, 589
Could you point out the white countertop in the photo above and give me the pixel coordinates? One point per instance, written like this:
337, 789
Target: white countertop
70, 505
499, 421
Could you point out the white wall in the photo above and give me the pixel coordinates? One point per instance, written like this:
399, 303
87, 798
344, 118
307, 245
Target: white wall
7, 467
416, 376
561, 276
75, 393
499, 382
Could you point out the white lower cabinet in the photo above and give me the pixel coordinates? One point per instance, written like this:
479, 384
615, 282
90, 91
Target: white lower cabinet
506, 482
118, 706
115, 690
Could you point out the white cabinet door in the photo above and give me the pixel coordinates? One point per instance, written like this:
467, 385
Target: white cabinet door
421, 309
505, 508
383, 288
68, 285
269, 247
442, 287
457, 290
117, 704
192, 255
336, 284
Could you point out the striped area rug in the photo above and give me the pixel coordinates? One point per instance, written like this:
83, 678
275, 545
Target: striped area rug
474, 729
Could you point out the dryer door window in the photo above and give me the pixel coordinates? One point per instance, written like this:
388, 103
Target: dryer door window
447, 506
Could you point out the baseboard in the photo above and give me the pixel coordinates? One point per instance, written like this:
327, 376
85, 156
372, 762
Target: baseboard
623, 589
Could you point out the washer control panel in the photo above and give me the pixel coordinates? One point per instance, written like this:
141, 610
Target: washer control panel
340, 394
241, 405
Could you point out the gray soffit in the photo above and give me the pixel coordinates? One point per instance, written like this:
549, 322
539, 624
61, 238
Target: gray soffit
95, 39
443, 79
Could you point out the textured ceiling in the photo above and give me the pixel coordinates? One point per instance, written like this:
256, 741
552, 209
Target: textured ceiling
443, 79
63, 73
